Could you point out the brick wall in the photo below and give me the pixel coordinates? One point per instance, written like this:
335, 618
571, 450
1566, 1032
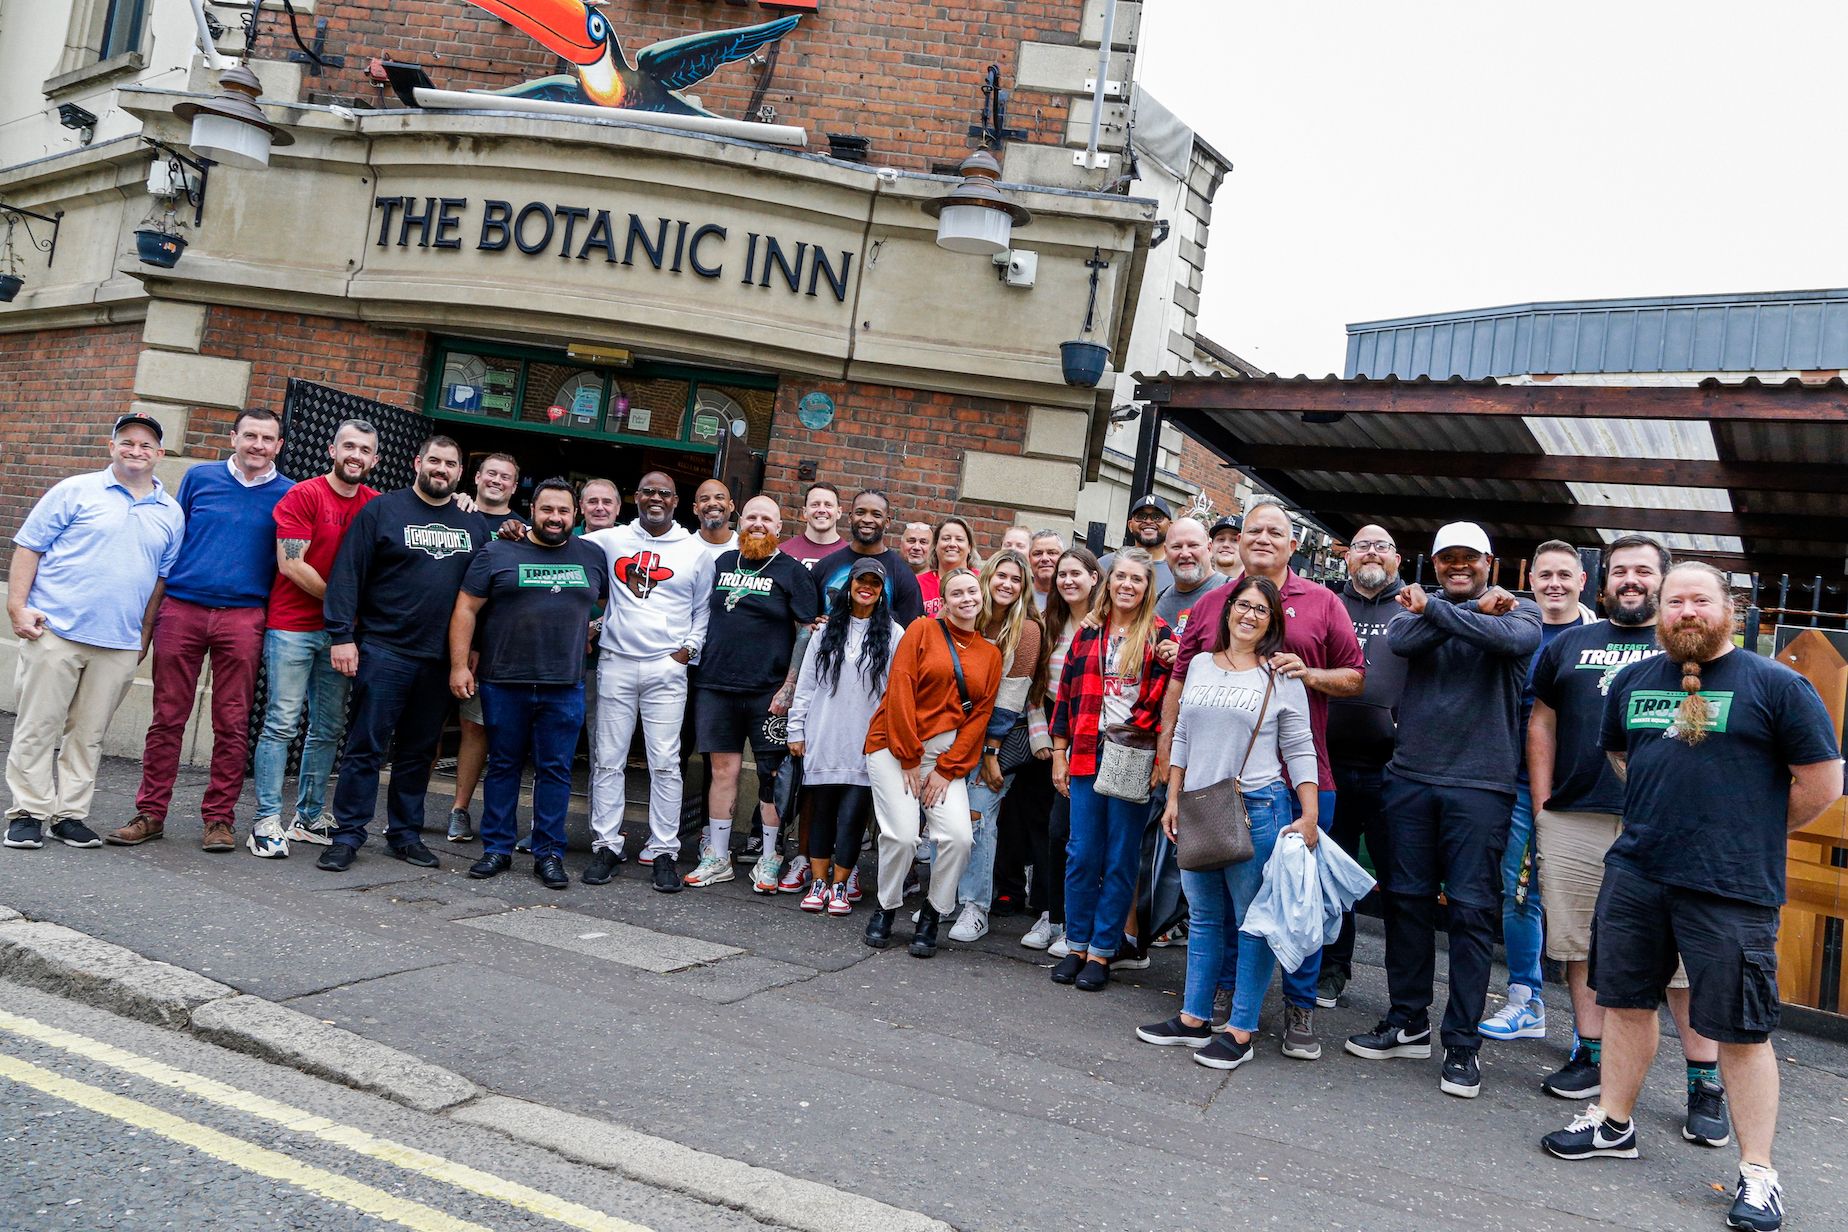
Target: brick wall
60, 389
906, 76
1200, 468
907, 442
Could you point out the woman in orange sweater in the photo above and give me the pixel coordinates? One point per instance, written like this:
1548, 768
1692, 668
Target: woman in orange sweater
924, 740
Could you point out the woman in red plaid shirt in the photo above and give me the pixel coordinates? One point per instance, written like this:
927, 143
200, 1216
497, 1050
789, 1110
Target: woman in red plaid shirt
1113, 676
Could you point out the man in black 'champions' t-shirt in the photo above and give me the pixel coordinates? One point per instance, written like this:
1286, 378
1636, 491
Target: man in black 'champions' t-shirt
762, 598
1723, 754
1578, 814
533, 600
387, 606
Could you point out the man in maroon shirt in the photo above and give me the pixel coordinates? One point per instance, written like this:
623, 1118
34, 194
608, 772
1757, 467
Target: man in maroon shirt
1319, 648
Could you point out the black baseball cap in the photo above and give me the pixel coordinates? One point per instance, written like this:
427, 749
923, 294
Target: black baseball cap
1225, 523
863, 565
136, 417
1152, 501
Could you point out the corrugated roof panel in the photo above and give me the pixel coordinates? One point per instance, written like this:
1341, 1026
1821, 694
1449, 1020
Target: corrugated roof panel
1763, 441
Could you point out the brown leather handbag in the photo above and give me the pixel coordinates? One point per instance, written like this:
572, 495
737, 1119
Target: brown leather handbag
1213, 831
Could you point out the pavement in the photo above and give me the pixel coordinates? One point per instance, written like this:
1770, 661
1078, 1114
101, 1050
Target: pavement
731, 1050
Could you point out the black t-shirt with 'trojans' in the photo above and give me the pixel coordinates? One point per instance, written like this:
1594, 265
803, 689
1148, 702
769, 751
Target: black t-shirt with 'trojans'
756, 606
1573, 676
1712, 816
536, 621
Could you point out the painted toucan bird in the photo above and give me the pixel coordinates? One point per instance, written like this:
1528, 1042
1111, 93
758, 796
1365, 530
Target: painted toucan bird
582, 35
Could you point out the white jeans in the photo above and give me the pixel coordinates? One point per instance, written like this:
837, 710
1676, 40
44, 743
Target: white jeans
898, 814
655, 690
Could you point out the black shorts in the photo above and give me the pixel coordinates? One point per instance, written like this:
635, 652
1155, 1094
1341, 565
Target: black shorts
1728, 946
727, 721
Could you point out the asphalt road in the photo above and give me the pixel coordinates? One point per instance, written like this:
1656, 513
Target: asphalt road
968, 1087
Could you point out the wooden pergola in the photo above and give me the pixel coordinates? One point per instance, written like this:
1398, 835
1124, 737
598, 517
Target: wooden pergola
1413, 455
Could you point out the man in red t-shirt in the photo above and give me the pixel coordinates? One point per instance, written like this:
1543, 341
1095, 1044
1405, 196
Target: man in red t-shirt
311, 520
819, 536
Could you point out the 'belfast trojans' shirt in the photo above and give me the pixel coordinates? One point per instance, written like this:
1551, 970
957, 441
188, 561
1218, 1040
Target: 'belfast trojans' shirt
751, 626
536, 621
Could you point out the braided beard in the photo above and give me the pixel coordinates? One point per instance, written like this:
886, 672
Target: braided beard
1691, 643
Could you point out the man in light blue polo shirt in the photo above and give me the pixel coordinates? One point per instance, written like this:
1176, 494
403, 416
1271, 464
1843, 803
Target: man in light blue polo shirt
84, 581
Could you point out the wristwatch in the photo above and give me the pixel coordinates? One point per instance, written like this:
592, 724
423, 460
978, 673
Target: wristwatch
992, 750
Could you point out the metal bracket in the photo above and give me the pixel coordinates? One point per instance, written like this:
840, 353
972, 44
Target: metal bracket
15, 214
316, 59
1112, 89
194, 196
1099, 161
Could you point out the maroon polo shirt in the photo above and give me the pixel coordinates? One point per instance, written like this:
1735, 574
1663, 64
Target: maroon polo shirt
1316, 628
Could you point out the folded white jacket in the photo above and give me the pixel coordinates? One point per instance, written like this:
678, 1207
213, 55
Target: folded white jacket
1298, 909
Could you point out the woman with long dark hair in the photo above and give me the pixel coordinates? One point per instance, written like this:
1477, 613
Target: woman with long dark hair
1240, 719
1113, 678
842, 678
1075, 580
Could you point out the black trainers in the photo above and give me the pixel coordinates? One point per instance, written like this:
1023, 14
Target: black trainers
1707, 1122
416, 854
73, 833
1592, 1135
1068, 968
1462, 1073
601, 868
1092, 977
1328, 989
461, 826
490, 865
1579, 1078
666, 876
1758, 1201
1223, 1053
338, 858
1390, 1040
752, 850
1176, 1033
26, 833
550, 870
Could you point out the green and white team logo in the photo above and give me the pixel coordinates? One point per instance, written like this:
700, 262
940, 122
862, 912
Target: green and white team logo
1612, 659
1654, 710
553, 577
435, 539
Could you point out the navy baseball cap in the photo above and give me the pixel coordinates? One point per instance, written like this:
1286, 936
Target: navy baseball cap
1227, 523
136, 417
1152, 501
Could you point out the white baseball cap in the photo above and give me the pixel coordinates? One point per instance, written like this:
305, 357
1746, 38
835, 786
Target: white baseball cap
1462, 535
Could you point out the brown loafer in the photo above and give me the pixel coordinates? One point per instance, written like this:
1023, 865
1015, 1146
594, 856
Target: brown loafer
219, 837
138, 831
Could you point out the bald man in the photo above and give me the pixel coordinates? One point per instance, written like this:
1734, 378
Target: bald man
712, 508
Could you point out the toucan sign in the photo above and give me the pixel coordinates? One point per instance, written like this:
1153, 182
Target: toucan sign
580, 233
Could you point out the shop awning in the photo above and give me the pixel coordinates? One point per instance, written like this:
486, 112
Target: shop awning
1748, 475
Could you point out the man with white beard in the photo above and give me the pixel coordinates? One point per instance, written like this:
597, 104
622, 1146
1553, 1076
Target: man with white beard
1190, 561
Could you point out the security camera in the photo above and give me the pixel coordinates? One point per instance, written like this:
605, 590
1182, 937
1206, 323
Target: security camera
1016, 268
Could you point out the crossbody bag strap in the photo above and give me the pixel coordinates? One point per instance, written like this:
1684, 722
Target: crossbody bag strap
962, 685
1270, 682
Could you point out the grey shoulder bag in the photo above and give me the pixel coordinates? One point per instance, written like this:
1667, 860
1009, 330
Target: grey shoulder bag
1213, 831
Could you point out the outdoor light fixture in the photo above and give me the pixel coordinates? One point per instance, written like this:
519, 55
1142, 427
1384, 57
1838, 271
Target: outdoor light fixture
977, 218
590, 353
229, 127
81, 121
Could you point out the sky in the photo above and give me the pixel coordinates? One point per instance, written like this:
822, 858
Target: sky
1402, 157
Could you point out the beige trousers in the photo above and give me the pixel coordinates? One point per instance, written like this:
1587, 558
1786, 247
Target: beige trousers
900, 816
68, 692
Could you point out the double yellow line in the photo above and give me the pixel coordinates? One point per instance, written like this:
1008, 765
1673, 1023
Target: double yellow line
273, 1164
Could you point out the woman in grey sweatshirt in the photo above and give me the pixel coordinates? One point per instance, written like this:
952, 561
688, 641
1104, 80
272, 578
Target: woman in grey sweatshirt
1221, 701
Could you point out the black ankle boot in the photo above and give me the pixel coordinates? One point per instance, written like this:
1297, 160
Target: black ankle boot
879, 929
924, 940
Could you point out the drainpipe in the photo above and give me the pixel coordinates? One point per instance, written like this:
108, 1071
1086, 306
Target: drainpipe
1097, 94
212, 59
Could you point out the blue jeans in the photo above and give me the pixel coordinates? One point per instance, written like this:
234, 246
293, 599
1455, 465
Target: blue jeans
399, 704
1298, 985
540, 721
978, 880
299, 672
1522, 929
1100, 867
1217, 902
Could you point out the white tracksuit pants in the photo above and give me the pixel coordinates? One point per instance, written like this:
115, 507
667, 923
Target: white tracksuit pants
899, 815
655, 691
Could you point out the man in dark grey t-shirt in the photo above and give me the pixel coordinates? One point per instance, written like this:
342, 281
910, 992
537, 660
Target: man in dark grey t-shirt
1190, 563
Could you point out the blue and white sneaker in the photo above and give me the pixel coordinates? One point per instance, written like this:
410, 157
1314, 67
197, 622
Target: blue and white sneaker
1590, 1136
267, 841
1523, 1017
1758, 1201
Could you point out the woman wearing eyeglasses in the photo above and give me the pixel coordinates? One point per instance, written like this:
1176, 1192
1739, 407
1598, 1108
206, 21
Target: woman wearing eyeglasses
1238, 719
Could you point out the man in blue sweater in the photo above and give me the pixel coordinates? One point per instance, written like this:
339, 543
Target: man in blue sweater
215, 601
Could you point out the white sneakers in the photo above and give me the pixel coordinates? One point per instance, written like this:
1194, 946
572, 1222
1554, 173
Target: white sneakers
971, 924
320, 833
711, 870
267, 841
1043, 933
768, 868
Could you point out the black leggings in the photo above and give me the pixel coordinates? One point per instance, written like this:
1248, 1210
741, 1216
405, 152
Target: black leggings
1049, 860
838, 821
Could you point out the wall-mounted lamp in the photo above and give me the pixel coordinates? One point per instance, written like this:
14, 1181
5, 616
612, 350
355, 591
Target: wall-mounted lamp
79, 120
229, 127
977, 218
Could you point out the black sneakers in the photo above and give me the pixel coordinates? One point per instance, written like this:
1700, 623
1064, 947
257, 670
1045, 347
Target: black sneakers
752, 851
1592, 1135
1391, 1040
1579, 1078
1092, 977
73, 833
1462, 1073
1758, 1200
417, 855
1068, 968
1707, 1122
338, 858
490, 865
601, 868
1223, 1053
1328, 989
26, 833
666, 876
1177, 1033
550, 870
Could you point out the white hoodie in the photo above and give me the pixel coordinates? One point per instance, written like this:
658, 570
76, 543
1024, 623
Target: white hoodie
660, 590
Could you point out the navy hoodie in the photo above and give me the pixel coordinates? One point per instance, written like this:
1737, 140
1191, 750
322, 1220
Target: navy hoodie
1361, 729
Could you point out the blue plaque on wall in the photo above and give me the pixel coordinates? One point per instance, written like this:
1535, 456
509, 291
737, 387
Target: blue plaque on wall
815, 410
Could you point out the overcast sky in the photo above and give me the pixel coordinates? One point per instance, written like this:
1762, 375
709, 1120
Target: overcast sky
1394, 158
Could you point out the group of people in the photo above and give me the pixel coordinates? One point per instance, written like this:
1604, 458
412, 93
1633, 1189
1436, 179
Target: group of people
1612, 793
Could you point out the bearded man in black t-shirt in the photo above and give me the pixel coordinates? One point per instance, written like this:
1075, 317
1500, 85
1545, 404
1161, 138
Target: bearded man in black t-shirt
1722, 753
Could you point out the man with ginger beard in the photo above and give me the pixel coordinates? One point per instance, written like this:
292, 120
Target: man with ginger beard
1722, 755
762, 598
